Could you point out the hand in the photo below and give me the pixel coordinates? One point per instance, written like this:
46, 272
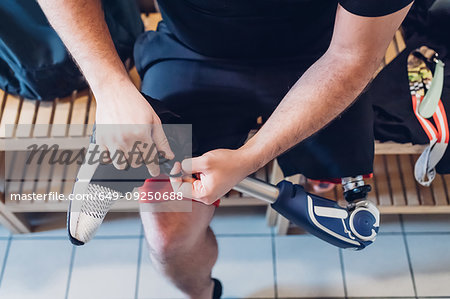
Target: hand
130, 130
217, 172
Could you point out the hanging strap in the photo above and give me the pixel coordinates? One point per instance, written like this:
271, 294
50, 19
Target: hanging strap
424, 169
426, 90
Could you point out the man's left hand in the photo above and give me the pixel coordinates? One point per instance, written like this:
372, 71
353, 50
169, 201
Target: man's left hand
215, 173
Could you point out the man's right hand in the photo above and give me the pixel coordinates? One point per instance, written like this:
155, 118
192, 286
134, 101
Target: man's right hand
126, 123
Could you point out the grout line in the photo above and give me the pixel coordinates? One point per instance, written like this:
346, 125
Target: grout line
2, 272
344, 279
24, 237
398, 297
69, 276
138, 270
243, 235
119, 237
274, 264
408, 256
426, 233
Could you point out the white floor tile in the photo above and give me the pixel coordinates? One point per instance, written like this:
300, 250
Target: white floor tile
245, 267
307, 267
59, 233
240, 220
4, 232
153, 285
36, 269
115, 224
390, 224
430, 259
120, 225
105, 269
380, 270
3, 245
426, 223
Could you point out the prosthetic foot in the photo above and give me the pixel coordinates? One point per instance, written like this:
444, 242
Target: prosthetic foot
97, 188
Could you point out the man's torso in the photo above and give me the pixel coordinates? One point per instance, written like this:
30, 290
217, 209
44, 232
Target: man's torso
251, 29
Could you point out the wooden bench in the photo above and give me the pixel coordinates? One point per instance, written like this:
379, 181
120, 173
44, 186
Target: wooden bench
395, 190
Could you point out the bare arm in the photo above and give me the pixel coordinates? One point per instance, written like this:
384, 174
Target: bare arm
82, 28
329, 86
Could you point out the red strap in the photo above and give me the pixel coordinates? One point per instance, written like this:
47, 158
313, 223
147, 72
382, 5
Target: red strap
427, 126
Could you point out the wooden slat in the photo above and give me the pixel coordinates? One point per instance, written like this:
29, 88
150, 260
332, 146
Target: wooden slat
446, 178
381, 181
151, 20
14, 174
10, 115
134, 76
61, 117
57, 178
70, 175
400, 41
91, 116
27, 118
44, 174
439, 192
392, 148
44, 118
414, 210
409, 182
2, 101
79, 116
425, 193
372, 196
391, 53
30, 176
393, 171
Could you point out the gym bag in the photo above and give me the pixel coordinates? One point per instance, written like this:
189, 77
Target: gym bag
34, 62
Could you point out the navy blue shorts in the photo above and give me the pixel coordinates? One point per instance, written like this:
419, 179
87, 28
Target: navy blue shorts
223, 98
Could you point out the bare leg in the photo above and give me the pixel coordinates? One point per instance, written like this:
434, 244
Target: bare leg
183, 248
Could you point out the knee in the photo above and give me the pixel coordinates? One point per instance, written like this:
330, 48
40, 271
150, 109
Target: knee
168, 242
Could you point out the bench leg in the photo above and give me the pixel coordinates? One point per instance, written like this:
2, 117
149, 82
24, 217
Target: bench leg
282, 225
271, 216
14, 223
275, 176
11, 221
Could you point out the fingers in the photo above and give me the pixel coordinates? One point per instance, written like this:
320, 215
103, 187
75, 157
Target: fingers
187, 185
150, 157
103, 154
162, 144
195, 165
144, 145
118, 157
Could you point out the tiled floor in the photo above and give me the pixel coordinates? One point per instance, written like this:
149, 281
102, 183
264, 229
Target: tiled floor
410, 259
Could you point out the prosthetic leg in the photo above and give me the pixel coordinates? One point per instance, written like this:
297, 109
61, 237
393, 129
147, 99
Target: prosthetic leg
354, 227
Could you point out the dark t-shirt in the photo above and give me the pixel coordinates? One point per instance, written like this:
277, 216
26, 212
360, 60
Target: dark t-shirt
255, 29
